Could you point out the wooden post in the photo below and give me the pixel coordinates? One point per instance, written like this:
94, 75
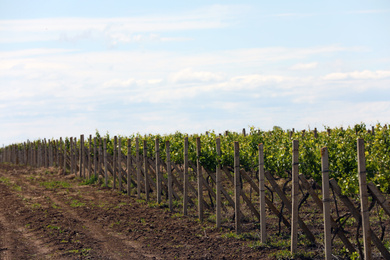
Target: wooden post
237, 187
105, 161
218, 184
326, 203
119, 165
64, 150
364, 199
128, 167
243, 132
315, 133
59, 147
34, 154
295, 199
75, 154
146, 171
45, 153
373, 130
158, 173
39, 158
30, 154
34, 151
71, 152
169, 172
50, 153
186, 180
200, 180
71, 157
96, 172
89, 157
263, 233
114, 151
138, 168
100, 160
84, 159
81, 155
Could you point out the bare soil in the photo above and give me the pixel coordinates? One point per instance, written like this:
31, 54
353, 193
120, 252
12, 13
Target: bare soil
47, 215
44, 215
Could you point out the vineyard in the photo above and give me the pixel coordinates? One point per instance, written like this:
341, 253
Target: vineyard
210, 175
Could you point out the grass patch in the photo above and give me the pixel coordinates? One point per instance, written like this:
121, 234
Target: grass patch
55, 206
5, 180
83, 251
76, 203
177, 215
36, 206
53, 185
242, 236
8, 182
53, 227
16, 187
90, 181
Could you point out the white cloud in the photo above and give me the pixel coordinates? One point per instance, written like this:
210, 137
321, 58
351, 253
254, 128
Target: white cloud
171, 86
344, 113
118, 83
119, 29
304, 66
188, 75
358, 75
258, 80
33, 52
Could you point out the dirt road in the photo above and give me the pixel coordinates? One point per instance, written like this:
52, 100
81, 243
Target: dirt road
44, 215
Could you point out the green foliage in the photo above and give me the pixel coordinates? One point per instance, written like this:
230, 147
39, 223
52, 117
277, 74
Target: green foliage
90, 181
53, 185
277, 143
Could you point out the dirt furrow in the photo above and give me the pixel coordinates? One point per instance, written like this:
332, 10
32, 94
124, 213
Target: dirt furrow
66, 220
115, 246
109, 245
17, 241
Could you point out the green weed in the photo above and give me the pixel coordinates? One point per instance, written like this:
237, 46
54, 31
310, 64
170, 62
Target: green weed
75, 203
90, 181
53, 185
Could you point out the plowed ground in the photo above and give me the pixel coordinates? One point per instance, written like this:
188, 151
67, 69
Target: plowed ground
44, 215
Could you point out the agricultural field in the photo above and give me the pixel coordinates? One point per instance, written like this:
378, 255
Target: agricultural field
98, 198
45, 215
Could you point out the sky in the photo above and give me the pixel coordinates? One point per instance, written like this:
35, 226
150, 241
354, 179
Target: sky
73, 67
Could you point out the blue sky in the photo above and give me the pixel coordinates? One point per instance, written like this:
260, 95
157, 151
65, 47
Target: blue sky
71, 67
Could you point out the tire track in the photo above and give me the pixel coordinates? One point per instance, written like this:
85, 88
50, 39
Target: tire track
116, 246
17, 242
109, 244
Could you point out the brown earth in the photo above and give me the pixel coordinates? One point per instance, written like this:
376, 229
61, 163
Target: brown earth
44, 215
